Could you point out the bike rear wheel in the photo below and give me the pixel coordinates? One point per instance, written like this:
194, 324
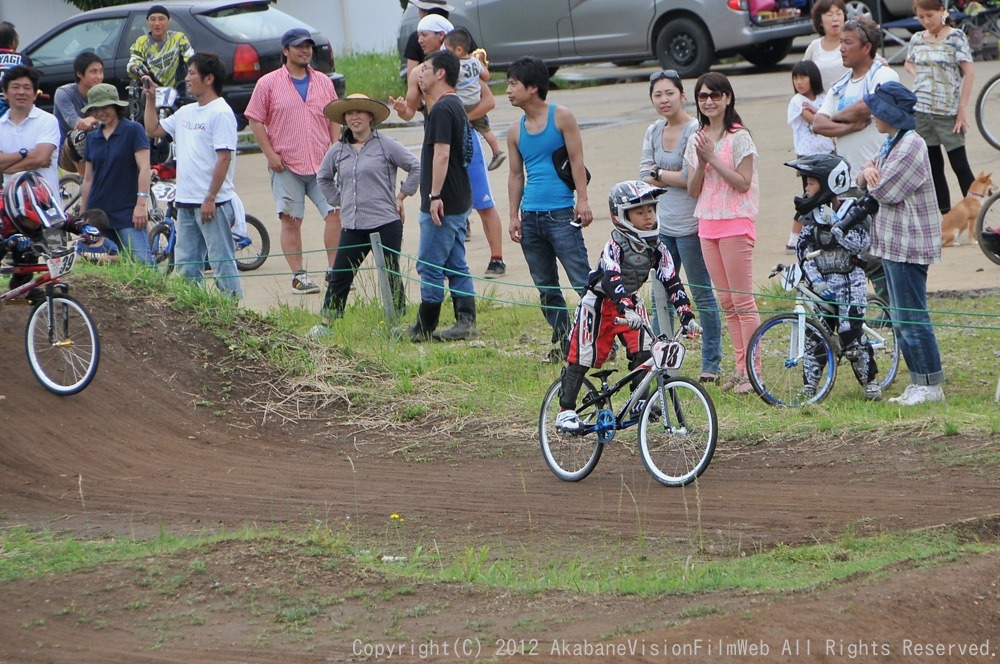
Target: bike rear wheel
252, 249
778, 371
989, 121
160, 249
988, 228
886, 350
61, 341
570, 456
678, 432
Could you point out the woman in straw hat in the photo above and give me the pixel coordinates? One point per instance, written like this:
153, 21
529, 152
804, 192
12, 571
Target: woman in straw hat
116, 171
358, 175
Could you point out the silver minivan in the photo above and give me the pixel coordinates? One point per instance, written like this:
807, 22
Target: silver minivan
686, 35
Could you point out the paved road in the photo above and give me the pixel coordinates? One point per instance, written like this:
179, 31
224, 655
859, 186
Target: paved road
614, 118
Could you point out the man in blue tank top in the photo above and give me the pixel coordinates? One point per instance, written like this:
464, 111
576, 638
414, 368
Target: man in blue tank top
544, 218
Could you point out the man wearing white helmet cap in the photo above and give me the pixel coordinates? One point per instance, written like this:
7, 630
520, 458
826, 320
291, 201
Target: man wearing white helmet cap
431, 31
412, 52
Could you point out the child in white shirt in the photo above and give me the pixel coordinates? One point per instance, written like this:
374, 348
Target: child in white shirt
469, 89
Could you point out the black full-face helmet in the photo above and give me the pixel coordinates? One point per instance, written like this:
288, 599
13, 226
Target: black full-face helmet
831, 171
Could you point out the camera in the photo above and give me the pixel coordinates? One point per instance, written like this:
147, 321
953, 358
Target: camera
863, 208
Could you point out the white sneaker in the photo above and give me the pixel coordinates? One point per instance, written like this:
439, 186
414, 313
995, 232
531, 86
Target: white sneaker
923, 394
905, 395
568, 420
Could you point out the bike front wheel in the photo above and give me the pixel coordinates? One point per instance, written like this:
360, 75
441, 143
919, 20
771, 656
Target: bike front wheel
988, 228
571, 456
989, 121
678, 432
160, 248
252, 249
791, 362
883, 341
61, 341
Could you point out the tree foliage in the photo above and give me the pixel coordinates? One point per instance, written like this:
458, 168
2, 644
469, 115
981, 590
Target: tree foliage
87, 5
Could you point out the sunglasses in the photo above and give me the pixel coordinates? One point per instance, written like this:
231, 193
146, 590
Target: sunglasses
855, 24
666, 73
714, 95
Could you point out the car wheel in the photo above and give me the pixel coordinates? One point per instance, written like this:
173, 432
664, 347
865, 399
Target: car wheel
859, 8
683, 44
769, 53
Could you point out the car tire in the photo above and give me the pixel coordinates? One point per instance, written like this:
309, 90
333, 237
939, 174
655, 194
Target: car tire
859, 8
684, 45
769, 53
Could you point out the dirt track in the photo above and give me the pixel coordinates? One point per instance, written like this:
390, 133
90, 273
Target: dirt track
135, 452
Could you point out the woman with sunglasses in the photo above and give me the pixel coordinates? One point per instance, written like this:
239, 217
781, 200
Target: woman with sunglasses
662, 165
721, 159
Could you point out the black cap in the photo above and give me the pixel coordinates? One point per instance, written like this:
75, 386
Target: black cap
157, 9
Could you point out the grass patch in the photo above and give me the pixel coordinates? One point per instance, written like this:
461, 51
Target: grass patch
374, 74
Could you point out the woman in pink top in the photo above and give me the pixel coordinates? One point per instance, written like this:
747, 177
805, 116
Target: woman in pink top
722, 161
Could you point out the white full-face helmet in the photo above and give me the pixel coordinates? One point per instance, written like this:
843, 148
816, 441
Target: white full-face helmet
627, 195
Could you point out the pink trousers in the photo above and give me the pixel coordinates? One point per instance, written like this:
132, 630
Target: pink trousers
730, 264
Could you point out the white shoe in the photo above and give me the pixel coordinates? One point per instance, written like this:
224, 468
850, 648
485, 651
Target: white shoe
568, 420
905, 395
922, 394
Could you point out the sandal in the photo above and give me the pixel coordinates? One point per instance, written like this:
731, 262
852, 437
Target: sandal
708, 378
731, 383
743, 388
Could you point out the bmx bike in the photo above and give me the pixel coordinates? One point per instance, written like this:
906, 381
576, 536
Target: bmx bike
678, 424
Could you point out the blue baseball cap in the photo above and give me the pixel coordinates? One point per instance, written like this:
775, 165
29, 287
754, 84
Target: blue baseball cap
296, 36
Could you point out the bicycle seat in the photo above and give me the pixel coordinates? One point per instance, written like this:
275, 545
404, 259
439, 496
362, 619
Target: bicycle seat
602, 374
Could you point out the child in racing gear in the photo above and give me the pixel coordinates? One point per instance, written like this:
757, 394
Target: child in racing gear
613, 292
836, 273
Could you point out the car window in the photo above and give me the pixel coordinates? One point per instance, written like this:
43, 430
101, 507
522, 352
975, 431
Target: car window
100, 36
136, 28
254, 23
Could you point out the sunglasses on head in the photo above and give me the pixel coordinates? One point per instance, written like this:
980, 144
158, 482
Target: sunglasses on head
714, 95
666, 73
855, 24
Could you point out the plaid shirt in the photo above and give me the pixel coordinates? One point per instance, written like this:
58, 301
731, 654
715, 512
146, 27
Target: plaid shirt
907, 227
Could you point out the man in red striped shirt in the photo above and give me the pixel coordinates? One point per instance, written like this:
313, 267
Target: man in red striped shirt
286, 117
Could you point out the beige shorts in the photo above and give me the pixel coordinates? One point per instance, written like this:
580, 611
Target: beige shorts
290, 191
937, 130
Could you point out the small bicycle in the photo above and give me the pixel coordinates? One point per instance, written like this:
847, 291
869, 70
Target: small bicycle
987, 229
678, 425
61, 338
252, 244
777, 351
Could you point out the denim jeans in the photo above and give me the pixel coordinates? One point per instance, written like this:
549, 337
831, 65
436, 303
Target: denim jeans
442, 254
214, 238
686, 252
915, 336
135, 242
545, 237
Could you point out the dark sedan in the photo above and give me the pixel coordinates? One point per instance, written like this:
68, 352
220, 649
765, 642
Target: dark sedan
246, 34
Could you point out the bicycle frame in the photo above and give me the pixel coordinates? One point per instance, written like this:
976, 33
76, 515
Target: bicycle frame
667, 355
44, 278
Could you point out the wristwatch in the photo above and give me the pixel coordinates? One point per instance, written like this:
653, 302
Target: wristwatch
655, 173
435, 197
24, 153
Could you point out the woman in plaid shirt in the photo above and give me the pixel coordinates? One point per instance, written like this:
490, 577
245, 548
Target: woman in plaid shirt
906, 235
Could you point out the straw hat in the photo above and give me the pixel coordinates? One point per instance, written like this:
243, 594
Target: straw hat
335, 110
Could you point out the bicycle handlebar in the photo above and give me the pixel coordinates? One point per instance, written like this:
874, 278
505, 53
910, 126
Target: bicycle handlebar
649, 330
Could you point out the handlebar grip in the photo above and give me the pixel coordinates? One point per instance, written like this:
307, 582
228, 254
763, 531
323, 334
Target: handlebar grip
813, 254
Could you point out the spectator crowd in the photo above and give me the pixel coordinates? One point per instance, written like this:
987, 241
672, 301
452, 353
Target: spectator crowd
692, 204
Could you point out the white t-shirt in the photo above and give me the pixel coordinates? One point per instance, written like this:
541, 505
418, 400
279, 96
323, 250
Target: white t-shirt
860, 146
199, 132
38, 127
805, 141
830, 63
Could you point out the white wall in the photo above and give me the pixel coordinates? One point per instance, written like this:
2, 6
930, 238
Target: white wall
33, 18
351, 25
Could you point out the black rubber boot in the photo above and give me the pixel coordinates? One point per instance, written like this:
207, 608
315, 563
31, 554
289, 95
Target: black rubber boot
465, 321
427, 321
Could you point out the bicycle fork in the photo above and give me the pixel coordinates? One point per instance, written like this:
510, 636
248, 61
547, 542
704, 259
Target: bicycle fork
797, 342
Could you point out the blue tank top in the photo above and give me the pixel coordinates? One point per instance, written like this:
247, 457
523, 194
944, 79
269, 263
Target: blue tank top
543, 190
